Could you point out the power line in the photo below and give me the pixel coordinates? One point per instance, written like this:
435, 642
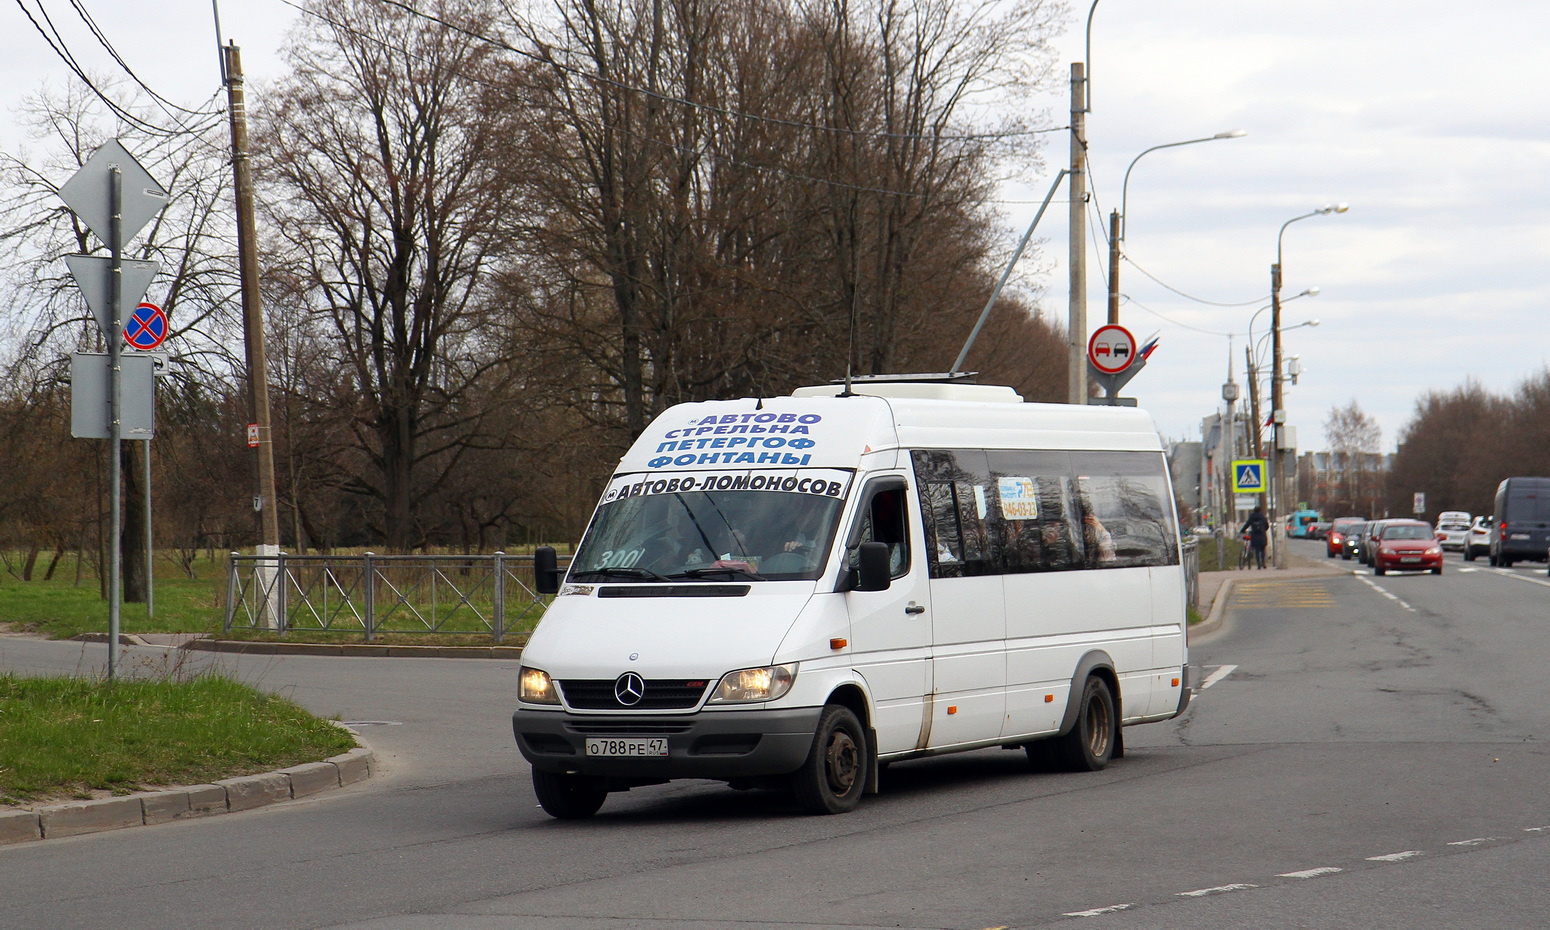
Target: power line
57, 44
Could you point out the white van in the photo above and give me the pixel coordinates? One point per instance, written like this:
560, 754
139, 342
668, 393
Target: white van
790, 592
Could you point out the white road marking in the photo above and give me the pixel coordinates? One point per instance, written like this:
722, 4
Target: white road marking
1396, 857
1222, 671
1536, 829
1099, 911
1239, 886
1509, 573
1474, 842
1376, 587
1311, 873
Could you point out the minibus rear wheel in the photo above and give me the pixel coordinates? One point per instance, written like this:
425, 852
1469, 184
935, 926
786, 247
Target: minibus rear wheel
566, 796
1090, 744
833, 778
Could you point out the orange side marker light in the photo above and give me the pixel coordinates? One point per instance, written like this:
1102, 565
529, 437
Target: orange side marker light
838, 643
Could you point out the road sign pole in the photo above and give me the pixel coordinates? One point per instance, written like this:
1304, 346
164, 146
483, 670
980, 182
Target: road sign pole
150, 548
115, 425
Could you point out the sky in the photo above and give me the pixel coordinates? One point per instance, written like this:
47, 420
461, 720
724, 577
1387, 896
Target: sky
1429, 118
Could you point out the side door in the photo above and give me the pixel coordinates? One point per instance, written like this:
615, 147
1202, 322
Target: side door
890, 631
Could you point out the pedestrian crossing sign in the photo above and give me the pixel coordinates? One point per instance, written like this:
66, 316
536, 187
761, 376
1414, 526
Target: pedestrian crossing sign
1248, 476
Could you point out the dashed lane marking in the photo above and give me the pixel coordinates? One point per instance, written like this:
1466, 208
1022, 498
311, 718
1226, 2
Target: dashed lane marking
1388, 594
1396, 857
1311, 873
1100, 911
1477, 841
1220, 889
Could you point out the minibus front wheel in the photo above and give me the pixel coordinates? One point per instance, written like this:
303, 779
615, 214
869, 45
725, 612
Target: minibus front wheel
833, 778
567, 796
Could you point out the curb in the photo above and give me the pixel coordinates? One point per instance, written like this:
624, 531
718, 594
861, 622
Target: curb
148, 808
354, 649
368, 650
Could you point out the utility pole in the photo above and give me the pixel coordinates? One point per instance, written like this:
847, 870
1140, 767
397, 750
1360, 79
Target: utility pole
1076, 326
252, 313
1277, 414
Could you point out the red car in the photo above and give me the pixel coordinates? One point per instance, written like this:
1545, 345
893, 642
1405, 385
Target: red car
1335, 535
1406, 545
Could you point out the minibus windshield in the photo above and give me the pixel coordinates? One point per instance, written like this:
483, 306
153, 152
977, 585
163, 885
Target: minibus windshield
749, 526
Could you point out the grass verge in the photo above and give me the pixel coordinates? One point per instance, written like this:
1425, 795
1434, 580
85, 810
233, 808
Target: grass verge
67, 738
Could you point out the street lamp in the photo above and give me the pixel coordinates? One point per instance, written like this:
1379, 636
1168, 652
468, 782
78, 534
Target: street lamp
1277, 413
1117, 217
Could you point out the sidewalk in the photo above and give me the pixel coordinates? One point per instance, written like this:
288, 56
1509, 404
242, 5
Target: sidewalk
1216, 587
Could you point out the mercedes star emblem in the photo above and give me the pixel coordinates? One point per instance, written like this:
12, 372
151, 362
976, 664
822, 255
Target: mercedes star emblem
629, 688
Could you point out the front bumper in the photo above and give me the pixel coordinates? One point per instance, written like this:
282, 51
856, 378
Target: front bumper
717, 744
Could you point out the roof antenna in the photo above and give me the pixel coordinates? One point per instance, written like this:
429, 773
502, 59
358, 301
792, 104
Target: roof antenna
850, 349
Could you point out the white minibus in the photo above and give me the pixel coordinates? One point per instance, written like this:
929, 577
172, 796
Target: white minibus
793, 592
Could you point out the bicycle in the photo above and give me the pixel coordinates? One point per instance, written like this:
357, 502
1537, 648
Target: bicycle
1245, 553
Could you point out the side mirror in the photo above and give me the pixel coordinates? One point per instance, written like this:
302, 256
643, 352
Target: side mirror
546, 571
874, 571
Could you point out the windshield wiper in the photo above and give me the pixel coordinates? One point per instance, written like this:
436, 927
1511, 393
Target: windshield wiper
717, 572
619, 571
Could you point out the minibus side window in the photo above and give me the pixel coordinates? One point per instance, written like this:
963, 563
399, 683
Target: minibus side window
1038, 511
1124, 504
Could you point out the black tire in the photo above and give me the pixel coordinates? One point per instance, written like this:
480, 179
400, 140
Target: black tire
568, 797
1090, 744
1377, 569
1469, 554
833, 778
1437, 570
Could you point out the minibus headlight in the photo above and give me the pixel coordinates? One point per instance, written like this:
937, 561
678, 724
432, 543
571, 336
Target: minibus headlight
535, 687
755, 684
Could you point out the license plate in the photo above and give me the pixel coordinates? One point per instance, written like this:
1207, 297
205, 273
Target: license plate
1410, 558
627, 746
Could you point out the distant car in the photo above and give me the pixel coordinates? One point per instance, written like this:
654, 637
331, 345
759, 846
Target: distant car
1335, 537
1477, 541
1452, 529
1318, 530
1404, 545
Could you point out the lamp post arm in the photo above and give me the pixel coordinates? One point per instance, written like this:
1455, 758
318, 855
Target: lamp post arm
1007, 272
1087, 61
1124, 193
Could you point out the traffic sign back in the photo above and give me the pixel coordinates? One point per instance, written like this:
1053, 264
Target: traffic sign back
94, 276
89, 193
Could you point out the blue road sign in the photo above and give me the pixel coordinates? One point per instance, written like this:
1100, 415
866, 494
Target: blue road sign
1248, 476
147, 327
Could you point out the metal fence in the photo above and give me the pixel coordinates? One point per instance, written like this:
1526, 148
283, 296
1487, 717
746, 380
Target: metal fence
373, 594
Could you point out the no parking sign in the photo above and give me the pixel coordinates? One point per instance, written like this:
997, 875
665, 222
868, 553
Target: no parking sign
147, 327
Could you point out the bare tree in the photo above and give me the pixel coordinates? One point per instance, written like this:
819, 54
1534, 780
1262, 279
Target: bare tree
376, 154
1353, 439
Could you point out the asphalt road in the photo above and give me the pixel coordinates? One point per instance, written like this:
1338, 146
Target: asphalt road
1370, 752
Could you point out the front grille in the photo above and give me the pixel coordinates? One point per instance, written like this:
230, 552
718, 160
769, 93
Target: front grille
660, 694
616, 727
